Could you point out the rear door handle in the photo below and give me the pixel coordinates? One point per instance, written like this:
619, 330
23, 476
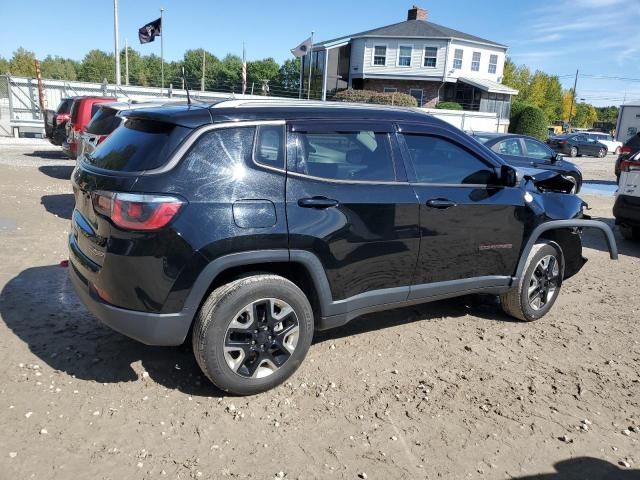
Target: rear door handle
317, 202
440, 203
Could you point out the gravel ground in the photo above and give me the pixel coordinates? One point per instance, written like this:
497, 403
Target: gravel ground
452, 389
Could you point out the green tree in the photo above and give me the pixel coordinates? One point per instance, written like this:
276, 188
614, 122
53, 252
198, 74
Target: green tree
532, 122
289, 77
4, 65
96, 66
138, 74
585, 115
516, 109
608, 114
22, 64
517, 77
229, 76
260, 72
192, 62
58, 68
449, 106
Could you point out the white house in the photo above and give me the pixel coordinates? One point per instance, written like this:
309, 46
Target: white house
428, 61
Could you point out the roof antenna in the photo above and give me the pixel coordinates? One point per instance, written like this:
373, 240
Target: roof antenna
186, 86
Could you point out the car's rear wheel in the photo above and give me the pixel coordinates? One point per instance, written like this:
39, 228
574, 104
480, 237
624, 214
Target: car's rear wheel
573, 152
602, 152
539, 286
630, 233
253, 333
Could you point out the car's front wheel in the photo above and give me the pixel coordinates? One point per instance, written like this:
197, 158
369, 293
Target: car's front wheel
539, 286
252, 334
602, 152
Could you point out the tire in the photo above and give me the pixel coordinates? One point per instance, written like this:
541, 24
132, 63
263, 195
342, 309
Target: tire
223, 333
573, 152
629, 233
602, 153
517, 302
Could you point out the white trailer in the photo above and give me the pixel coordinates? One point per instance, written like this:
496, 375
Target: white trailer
628, 122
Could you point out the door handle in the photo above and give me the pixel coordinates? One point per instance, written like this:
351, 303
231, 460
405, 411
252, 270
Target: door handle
317, 202
440, 203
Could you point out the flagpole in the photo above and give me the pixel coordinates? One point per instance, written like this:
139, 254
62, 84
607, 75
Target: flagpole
162, 49
115, 37
244, 69
310, 65
126, 61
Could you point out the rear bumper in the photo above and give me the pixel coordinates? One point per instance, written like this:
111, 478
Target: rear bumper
167, 329
627, 210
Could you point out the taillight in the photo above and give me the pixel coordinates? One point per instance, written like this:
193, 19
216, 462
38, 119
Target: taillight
562, 142
625, 149
61, 117
133, 211
630, 165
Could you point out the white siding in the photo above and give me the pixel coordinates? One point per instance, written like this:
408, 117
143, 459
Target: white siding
417, 69
485, 53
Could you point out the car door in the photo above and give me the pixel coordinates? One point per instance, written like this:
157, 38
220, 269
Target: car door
471, 227
538, 153
350, 205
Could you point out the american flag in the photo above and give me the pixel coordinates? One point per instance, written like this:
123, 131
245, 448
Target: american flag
244, 70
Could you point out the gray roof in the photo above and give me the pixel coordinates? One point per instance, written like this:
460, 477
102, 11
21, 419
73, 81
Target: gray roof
488, 85
412, 29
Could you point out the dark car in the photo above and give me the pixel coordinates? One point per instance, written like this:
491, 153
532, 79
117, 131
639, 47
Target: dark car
524, 151
630, 148
575, 144
252, 224
55, 121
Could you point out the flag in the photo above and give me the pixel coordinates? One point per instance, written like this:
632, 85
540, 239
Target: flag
150, 31
244, 70
302, 49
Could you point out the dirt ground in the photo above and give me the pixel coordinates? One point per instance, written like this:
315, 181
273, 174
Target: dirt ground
451, 390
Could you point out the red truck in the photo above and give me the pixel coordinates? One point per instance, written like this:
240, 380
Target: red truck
82, 110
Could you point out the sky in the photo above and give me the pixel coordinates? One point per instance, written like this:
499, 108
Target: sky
601, 38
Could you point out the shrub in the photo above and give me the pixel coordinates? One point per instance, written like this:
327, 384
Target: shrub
370, 96
449, 106
516, 110
532, 122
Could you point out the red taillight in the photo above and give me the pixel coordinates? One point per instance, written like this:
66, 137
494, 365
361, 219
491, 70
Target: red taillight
562, 142
61, 117
625, 149
630, 165
132, 211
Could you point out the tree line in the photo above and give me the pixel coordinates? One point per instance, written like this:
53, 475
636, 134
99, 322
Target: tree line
220, 74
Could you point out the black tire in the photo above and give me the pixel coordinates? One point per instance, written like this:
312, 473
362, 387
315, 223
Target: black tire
517, 301
602, 153
573, 152
629, 233
225, 305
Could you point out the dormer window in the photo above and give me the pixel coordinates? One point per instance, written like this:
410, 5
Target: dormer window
380, 55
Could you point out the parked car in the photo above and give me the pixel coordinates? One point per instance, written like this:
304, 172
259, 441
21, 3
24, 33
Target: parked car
613, 146
575, 144
82, 109
55, 121
628, 150
626, 209
253, 224
524, 151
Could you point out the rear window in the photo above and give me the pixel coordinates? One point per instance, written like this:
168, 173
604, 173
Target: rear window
138, 145
65, 106
103, 122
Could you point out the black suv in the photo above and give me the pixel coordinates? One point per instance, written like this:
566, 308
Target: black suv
251, 224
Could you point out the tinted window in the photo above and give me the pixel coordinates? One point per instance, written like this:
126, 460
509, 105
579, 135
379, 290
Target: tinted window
75, 107
138, 145
225, 150
537, 149
358, 155
437, 160
65, 106
270, 146
103, 122
510, 146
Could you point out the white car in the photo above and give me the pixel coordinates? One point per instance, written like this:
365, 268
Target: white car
613, 146
627, 206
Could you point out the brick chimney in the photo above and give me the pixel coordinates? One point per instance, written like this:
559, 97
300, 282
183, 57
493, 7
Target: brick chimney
417, 13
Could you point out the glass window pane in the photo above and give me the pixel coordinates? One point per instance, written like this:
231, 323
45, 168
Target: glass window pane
270, 146
537, 149
430, 56
358, 155
437, 160
511, 146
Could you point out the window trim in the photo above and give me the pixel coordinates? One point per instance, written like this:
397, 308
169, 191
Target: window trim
424, 56
461, 59
389, 90
284, 148
473, 55
373, 54
410, 56
493, 64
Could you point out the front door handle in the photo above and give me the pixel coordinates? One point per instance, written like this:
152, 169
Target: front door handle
317, 202
440, 203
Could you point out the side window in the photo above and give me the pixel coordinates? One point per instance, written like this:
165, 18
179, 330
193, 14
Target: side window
224, 150
537, 150
269, 150
358, 156
438, 160
510, 146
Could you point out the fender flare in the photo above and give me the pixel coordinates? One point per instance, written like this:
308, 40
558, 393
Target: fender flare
558, 224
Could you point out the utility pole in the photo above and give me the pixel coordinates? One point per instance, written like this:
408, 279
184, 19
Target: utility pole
162, 48
573, 97
116, 43
126, 62
40, 86
203, 67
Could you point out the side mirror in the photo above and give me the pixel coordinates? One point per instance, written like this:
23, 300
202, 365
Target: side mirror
508, 176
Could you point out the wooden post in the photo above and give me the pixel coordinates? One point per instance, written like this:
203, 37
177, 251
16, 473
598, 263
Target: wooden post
41, 97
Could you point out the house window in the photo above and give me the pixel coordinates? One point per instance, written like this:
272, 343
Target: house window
417, 94
493, 63
457, 59
390, 90
475, 62
404, 56
430, 57
380, 55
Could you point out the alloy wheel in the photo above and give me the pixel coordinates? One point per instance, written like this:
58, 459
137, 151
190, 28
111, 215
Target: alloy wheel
261, 338
544, 282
